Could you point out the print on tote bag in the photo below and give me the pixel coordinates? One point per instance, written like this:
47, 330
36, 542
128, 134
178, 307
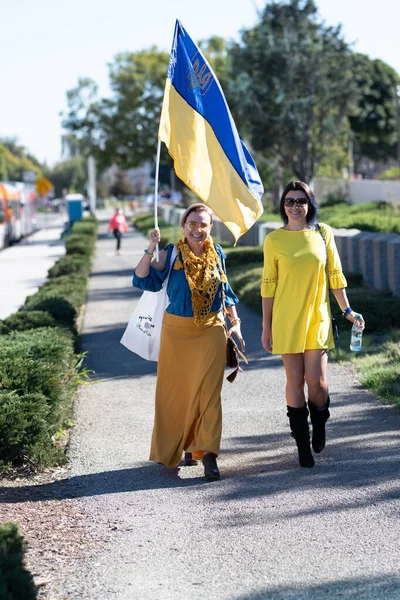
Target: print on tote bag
143, 333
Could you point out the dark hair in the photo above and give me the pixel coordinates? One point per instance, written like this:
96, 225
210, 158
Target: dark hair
293, 186
197, 207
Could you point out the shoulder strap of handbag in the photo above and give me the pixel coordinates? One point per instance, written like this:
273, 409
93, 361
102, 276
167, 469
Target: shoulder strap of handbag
318, 226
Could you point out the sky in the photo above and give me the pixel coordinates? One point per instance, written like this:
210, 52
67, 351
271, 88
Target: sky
46, 46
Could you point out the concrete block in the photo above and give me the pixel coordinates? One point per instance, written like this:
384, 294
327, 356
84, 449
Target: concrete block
341, 239
381, 271
353, 253
366, 245
394, 266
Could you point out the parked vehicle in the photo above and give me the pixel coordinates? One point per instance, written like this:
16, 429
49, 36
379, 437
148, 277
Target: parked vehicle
17, 212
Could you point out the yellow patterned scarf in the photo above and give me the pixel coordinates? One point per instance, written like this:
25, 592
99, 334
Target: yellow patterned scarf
202, 276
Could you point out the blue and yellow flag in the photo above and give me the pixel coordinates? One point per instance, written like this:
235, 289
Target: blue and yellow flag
200, 134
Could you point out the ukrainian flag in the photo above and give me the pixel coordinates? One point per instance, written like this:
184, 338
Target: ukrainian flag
200, 134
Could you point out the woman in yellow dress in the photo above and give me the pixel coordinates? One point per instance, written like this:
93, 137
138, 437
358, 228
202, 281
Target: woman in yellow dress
296, 313
188, 413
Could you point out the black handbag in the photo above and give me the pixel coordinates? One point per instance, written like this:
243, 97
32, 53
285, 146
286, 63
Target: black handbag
335, 330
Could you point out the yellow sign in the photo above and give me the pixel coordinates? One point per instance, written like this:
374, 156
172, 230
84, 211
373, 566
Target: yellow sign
43, 186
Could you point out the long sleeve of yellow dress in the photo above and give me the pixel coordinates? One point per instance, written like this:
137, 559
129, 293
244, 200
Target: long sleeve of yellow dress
294, 275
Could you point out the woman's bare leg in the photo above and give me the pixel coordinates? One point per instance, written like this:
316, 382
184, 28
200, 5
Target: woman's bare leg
294, 367
315, 372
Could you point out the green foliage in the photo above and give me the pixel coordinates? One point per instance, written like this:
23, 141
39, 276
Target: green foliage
144, 222
122, 129
243, 256
16, 583
79, 244
391, 173
374, 120
14, 160
24, 320
59, 308
70, 175
39, 360
24, 429
372, 216
85, 226
71, 264
71, 288
38, 377
291, 86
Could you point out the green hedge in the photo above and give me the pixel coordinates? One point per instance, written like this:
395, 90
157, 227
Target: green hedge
77, 244
39, 366
24, 320
24, 429
71, 264
60, 309
16, 583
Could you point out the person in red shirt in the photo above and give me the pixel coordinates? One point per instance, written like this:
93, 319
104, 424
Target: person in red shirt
118, 226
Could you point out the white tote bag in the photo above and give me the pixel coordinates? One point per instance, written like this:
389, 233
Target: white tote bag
143, 333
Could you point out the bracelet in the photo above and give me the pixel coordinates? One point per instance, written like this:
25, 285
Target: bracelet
148, 253
347, 311
236, 319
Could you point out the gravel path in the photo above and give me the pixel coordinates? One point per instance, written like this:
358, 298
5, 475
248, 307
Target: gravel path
268, 529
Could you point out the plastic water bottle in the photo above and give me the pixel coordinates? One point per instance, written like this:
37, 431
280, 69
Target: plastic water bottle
356, 335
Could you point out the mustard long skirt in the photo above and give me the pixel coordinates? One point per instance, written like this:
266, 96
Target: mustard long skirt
188, 413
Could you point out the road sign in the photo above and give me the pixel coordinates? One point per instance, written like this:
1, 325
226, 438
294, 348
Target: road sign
43, 186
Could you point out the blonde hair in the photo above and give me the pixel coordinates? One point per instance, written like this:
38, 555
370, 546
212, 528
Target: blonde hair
197, 207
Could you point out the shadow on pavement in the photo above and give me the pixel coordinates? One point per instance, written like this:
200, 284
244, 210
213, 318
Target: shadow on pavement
265, 469
386, 587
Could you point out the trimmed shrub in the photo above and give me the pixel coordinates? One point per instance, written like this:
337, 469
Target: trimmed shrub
73, 288
59, 308
71, 264
85, 228
16, 583
80, 244
243, 256
24, 430
380, 312
42, 361
24, 320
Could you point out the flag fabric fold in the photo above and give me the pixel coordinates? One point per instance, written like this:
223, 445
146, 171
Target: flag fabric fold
198, 129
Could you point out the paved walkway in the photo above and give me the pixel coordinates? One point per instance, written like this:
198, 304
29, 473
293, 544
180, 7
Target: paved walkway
24, 266
268, 529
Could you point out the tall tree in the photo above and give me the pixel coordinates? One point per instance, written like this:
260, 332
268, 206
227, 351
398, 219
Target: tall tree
374, 120
122, 129
291, 85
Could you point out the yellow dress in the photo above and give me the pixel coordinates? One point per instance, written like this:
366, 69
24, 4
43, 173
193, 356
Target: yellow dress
295, 276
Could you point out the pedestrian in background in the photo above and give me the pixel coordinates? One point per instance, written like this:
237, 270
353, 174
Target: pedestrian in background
301, 263
118, 226
188, 413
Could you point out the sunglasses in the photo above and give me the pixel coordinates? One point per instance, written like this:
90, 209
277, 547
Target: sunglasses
289, 202
192, 225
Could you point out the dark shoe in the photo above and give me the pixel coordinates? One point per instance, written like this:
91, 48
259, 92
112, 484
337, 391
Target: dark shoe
211, 471
188, 460
319, 417
301, 433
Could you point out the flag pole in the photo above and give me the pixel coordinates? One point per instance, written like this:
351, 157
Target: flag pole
156, 191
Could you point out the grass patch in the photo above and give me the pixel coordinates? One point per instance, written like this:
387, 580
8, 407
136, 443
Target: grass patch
383, 217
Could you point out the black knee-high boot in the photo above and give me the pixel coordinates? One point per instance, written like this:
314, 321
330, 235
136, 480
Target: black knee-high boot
319, 417
301, 433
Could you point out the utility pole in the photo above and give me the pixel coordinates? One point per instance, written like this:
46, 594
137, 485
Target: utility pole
398, 127
92, 184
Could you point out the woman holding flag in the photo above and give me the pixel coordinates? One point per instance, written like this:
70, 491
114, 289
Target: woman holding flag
188, 414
